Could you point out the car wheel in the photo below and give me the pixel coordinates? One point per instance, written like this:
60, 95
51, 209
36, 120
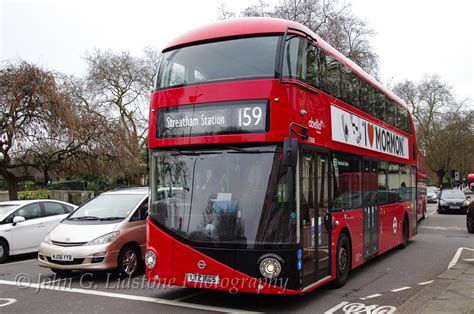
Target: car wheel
470, 223
62, 272
129, 261
343, 260
3, 251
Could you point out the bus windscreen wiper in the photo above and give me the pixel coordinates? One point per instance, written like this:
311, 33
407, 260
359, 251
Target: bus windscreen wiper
241, 150
192, 153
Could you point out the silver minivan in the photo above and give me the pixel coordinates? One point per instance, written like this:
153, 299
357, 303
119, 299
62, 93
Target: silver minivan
106, 233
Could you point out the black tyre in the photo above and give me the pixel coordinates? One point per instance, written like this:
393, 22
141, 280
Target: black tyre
470, 223
3, 251
129, 261
404, 235
62, 272
343, 260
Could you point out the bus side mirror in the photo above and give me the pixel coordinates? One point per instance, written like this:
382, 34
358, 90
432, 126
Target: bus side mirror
290, 152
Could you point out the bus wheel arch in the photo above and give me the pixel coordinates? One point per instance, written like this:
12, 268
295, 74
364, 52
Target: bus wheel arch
343, 258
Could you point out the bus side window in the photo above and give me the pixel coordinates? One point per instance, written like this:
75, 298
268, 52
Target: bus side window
393, 181
312, 75
382, 193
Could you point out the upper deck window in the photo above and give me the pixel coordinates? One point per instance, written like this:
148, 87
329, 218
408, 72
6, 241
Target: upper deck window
244, 58
304, 61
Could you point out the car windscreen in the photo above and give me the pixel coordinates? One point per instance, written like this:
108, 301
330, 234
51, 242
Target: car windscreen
107, 206
5, 209
452, 195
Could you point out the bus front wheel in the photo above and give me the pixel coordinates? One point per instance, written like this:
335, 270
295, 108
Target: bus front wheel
343, 260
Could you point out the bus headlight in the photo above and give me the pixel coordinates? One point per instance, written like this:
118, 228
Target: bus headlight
270, 267
150, 259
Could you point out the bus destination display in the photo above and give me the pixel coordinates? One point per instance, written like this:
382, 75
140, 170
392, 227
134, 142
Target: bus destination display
240, 117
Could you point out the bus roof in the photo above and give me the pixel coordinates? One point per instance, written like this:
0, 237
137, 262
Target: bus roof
264, 25
235, 27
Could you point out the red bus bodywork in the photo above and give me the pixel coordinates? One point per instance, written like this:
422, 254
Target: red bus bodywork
286, 101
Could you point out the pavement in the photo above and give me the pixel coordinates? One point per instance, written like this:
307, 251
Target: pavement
451, 292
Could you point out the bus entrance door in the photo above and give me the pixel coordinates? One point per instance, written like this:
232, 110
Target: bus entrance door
314, 216
370, 216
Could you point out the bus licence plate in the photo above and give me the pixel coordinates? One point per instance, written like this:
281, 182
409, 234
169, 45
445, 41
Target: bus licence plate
62, 257
455, 207
200, 278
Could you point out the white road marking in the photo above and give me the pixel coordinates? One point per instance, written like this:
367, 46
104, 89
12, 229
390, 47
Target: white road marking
373, 296
20, 262
457, 255
9, 301
127, 297
347, 307
335, 308
426, 283
400, 289
442, 228
468, 259
431, 213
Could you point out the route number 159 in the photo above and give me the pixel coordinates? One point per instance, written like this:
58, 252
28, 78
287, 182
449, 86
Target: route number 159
249, 115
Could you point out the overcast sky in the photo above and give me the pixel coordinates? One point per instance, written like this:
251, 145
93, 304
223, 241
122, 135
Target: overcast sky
414, 37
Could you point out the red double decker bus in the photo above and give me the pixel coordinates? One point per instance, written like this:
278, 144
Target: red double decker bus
276, 164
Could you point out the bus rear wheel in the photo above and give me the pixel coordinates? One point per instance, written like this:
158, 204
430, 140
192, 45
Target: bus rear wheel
343, 260
404, 235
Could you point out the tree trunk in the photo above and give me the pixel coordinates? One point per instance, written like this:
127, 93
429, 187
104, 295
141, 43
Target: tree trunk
440, 181
46, 175
12, 189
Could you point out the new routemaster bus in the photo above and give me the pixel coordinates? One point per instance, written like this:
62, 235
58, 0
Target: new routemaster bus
276, 164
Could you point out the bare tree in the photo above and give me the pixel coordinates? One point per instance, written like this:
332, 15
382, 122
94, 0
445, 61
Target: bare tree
331, 20
39, 124
118, 86
223, 13
445, 126
151, 62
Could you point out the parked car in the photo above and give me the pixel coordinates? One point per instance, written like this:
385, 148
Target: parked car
431, 194
470, 217
106, 233
453, 201
24, 223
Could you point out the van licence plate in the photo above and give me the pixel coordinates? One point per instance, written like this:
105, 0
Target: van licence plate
455, 207
200, 278
62, 257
